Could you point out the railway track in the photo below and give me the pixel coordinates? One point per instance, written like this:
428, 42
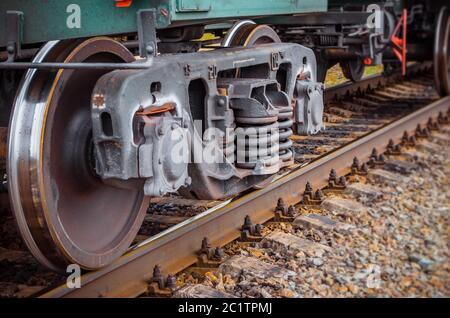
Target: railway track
172, 235
174, 228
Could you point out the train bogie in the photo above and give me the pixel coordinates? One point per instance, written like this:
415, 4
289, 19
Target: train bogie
195, 97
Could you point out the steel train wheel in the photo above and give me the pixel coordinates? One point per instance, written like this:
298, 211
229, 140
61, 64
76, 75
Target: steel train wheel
353, 69
247, 33
441, 52
322, 69
237, 27
65, 213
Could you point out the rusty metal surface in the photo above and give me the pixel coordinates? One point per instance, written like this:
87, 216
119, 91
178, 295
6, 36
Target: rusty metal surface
175, 248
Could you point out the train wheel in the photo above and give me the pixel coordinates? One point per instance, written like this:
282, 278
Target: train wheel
247, 33
322, 69
65, 213
353, 69
442, 52
236, 28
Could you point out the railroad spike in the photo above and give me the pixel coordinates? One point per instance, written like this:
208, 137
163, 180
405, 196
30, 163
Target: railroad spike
285, 215
405, 138
332, 179
420, 132
392, 148
159, 285
432, 125
308, 194
355, 166
371, 162
308, 187
280, 206
374, 154
319, 195
171, 282
375, 159
205, 245
310, 197
333, 174
219, 253
158, 277
390, 144
251, 232
442, 120
209, 257
364, 168
157, 273
247, 223
335, 183
343, 181
292, 211
258, 229
357, 169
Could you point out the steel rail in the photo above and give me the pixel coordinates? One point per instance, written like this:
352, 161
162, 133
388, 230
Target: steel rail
373, 81
175, 248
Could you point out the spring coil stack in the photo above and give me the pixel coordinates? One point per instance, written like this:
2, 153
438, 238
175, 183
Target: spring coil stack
285, 123
263, 118
257, 146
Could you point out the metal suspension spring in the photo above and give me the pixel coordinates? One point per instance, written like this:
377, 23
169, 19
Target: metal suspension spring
327, 40
257, 146
229, 146
285, 123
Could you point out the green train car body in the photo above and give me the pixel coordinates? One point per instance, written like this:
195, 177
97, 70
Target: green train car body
63, 19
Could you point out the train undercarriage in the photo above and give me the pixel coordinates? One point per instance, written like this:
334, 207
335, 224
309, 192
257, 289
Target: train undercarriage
99, 125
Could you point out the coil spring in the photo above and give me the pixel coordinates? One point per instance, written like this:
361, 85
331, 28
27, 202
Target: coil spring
257, 144
285, 123
327, 40
228, 145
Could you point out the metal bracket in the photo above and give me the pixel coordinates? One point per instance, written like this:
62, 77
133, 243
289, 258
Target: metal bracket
146, 23
14, 32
